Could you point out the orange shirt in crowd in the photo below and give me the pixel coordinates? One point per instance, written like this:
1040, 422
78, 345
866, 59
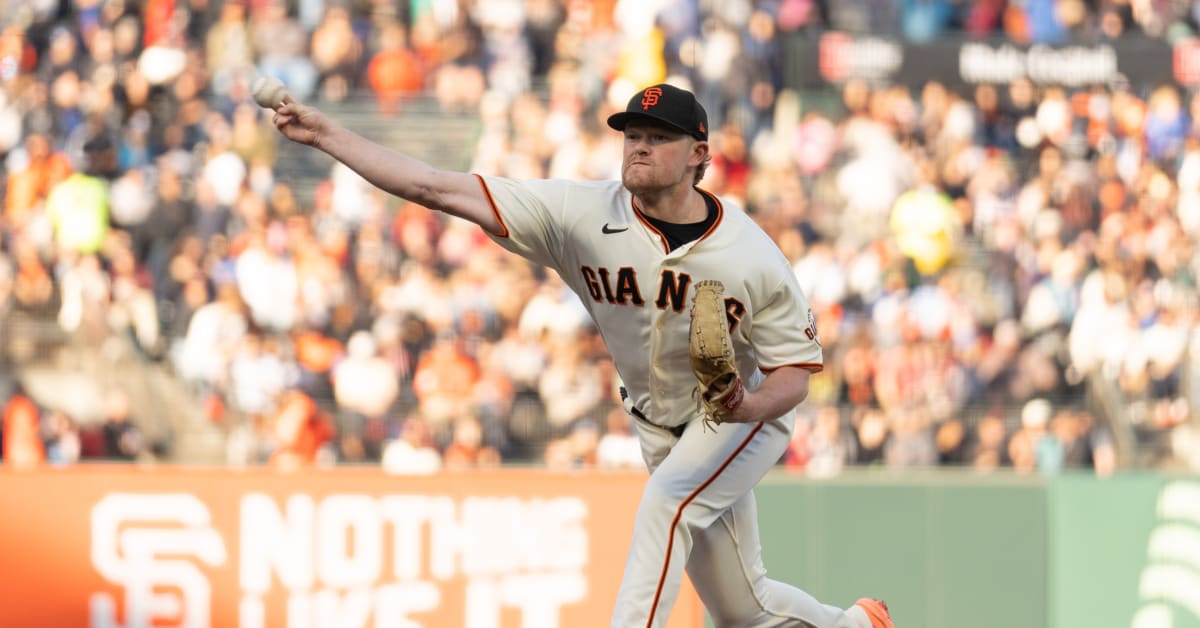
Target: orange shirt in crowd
30, 186
157, 18
395, 73
301, 429
317, 352
22, 443
444, 370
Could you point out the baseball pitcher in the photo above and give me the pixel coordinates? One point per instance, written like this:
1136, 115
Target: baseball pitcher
711, 336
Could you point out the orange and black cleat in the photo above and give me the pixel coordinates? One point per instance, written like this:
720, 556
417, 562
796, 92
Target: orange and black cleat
877, 611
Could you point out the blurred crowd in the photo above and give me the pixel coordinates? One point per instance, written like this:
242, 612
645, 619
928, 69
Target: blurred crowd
980, 263
1019, 21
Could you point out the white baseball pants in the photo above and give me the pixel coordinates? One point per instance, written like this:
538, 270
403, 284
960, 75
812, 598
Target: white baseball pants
698, 512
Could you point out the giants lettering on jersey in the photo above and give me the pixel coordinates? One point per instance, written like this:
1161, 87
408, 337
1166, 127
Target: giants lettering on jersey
621, 288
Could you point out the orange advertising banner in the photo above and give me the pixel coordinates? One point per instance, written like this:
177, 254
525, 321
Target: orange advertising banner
132, 547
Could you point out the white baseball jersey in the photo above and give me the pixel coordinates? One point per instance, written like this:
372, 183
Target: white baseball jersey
697, 510
639, 292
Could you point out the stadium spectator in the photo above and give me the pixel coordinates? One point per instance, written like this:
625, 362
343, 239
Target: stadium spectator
363, 382
413, 452
33, 287
85, 292
78, 205
300, 431
214, 332
872, 435
280, 44
988, 445
23, 448
570, 386
365, 388
336, 52
618, 447
950, 438
830, 448
228, 45
395, 70
63, 442
124, 440
32, 172
257, 375
316, 356
466, 448
443, 381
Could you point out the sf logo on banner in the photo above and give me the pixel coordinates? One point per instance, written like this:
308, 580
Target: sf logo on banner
132, 536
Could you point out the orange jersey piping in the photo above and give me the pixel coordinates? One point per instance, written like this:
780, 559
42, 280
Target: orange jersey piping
495, 210
815, 367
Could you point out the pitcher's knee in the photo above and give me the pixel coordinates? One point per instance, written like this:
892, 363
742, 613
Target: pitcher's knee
667, 502
660, 495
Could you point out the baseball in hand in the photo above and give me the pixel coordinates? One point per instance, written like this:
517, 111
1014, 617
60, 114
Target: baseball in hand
269, 92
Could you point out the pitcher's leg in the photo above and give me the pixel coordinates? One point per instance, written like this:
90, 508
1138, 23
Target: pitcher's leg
706, 472
653, 569
727, 570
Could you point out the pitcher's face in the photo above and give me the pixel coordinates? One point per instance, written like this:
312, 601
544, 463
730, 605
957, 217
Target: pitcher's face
656, 157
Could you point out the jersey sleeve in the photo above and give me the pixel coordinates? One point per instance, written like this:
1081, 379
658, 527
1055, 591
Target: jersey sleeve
785, 330
531, 216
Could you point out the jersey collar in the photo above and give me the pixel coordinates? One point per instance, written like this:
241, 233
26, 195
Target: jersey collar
662, 238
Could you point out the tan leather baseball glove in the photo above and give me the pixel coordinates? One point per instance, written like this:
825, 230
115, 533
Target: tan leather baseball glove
719, 389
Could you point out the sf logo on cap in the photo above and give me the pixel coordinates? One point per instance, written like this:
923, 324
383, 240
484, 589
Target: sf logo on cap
650, 97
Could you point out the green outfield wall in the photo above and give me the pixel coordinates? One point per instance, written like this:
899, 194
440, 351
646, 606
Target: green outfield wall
949, 550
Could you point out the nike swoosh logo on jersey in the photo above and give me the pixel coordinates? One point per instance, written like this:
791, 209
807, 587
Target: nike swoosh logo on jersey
607, 229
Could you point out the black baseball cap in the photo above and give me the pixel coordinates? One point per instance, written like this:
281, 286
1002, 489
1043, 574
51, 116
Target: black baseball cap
667, 104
